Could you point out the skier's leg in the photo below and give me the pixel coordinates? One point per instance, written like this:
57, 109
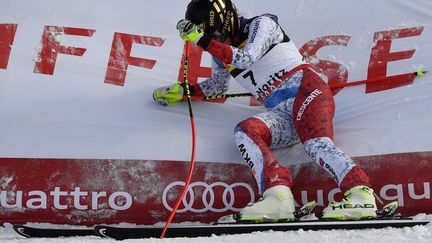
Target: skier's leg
359, 201
324, 152
313, 113
255, 137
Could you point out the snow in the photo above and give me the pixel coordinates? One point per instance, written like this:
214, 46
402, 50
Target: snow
394, 235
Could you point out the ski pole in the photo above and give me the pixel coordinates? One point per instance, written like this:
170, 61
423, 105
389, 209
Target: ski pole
192, 121
405, 76
223, 96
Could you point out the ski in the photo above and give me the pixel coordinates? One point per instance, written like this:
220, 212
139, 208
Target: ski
123, 233
120, 233
36, 232
229, 225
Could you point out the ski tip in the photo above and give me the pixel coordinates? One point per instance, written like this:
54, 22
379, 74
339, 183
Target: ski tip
20, 229
394, 203
388, 210
312, 203
305, 210
392, 206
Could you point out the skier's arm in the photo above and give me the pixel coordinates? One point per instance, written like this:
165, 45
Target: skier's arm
264, 32
218, 84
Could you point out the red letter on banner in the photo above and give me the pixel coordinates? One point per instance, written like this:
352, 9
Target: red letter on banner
120, 57
195, 69
336, 73
51, 47
7, 36
381, 56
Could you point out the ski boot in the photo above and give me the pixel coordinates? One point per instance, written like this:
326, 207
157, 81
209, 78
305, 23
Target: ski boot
276, 205
358, 203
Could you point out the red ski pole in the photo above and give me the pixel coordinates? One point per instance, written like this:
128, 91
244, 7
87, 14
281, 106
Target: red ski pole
192, 162
406, 77
402, 78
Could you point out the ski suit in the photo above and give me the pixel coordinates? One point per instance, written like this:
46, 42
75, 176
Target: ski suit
299, 104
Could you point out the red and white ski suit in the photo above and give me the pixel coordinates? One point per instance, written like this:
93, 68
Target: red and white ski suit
300, 105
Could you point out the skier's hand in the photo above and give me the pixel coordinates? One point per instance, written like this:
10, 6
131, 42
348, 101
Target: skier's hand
169, 94
189, 31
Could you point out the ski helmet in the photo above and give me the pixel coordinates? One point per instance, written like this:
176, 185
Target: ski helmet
213, 16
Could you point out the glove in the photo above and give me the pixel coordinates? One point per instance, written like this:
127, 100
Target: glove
169, 94
189, 31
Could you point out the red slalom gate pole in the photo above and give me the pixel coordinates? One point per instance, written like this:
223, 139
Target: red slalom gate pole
192, 162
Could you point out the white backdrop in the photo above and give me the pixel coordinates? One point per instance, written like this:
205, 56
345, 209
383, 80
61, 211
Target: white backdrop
74, 114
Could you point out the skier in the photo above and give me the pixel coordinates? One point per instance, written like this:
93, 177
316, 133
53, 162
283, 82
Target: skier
299, 106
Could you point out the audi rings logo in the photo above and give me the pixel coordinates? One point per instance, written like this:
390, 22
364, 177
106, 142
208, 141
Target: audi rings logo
208, 196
